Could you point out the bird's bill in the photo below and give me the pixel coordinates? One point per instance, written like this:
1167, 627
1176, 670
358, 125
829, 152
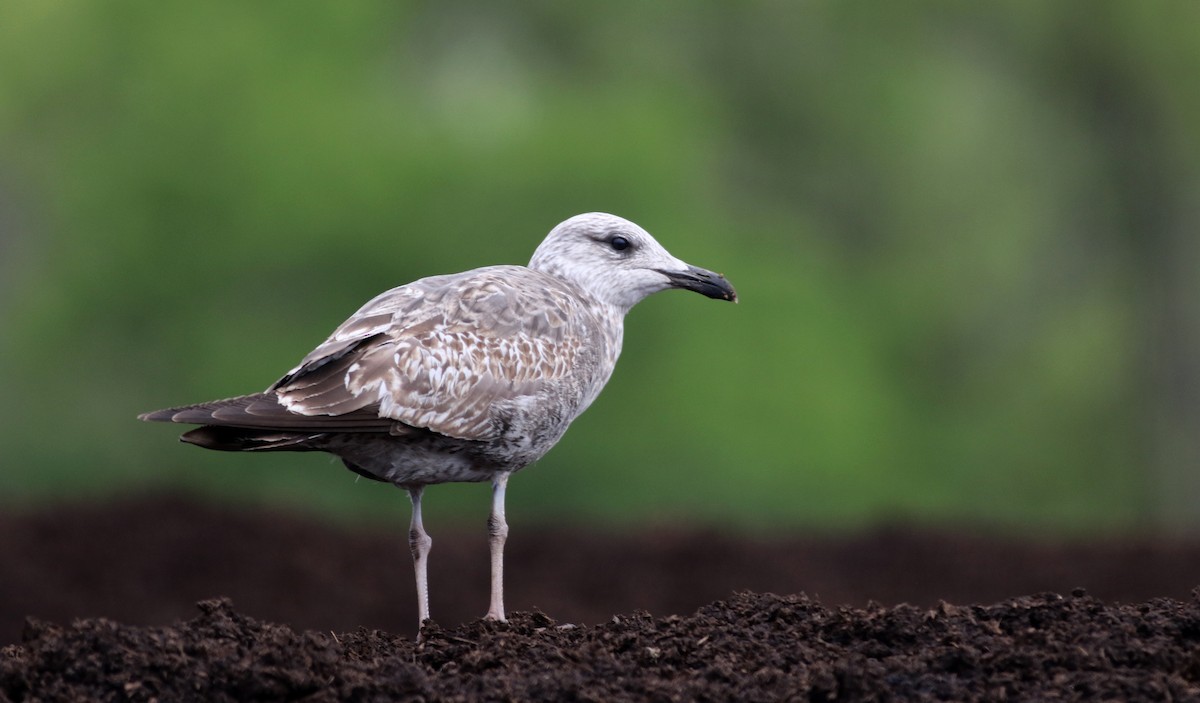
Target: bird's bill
702, 281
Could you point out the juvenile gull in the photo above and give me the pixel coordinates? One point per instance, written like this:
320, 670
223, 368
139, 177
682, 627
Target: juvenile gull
463, 377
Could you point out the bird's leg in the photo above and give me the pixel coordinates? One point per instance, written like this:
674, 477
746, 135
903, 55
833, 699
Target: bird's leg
419, 542
497, 533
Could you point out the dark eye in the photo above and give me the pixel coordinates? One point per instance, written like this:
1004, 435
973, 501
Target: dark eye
619, 243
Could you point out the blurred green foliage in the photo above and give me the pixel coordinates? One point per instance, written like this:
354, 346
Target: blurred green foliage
964, 235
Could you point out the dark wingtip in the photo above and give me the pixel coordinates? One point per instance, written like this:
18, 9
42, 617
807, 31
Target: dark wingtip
157, 416
201, 413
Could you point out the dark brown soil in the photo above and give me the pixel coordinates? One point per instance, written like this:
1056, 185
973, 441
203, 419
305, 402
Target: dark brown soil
130, 569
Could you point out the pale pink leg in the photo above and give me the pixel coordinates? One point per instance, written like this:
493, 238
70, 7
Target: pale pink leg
419, 542
497, 533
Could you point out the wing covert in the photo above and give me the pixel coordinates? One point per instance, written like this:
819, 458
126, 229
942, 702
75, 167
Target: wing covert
446, 353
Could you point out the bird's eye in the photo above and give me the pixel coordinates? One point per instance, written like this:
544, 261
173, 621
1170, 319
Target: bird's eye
619, 243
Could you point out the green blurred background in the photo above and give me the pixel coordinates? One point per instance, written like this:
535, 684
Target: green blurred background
964, 235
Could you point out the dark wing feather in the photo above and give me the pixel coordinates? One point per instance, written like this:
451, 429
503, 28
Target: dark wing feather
263, 411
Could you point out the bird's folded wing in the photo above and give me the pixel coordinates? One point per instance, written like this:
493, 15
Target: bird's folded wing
447, 353
262, 411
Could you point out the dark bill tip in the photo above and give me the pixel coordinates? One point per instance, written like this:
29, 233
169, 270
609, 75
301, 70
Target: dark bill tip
702, 281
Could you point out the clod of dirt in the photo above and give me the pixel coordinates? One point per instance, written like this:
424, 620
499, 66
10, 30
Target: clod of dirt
752, 647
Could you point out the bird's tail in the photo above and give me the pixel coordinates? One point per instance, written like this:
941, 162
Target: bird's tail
242, 439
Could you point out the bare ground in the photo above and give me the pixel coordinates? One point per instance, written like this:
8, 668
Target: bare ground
133, 573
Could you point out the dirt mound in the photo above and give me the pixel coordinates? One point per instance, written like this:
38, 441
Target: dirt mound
754, 647
148, 560
145, 562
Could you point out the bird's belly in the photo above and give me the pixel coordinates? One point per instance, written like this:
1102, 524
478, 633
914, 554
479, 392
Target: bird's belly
408, 462
527, 428
530, 426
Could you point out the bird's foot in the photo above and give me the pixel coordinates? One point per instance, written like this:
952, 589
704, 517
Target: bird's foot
426, 628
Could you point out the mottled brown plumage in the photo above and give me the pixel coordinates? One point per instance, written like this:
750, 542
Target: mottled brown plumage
461, 377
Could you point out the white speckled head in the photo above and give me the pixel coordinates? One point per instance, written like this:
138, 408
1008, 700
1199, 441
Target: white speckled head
618, 262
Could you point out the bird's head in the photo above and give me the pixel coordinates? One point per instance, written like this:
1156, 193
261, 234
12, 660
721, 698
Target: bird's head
619, 263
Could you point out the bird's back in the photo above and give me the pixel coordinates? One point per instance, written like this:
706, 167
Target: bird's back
458, 374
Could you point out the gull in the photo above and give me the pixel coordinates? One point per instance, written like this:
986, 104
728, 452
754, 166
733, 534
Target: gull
461, 377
